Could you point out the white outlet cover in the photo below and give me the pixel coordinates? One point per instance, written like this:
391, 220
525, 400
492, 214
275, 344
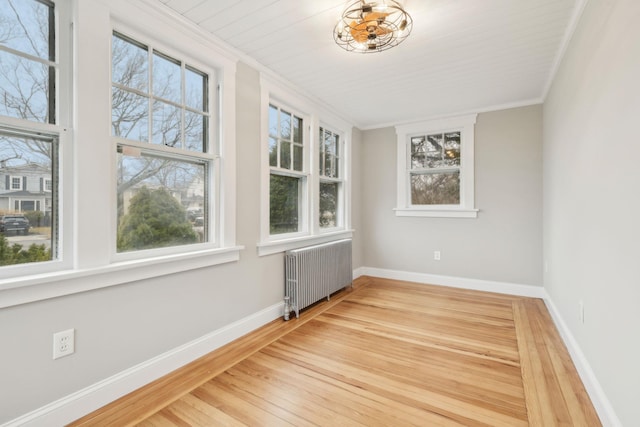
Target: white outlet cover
63, 343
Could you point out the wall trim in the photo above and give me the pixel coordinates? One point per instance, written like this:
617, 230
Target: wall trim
82, 402
457, 282
601, 403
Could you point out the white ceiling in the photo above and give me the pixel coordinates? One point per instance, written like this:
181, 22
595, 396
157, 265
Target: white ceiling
462, 55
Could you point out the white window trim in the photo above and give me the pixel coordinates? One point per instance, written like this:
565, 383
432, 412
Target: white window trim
466, 209
310, 233
86, 264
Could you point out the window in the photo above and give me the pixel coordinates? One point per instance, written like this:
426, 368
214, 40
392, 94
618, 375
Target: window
16, 182
305, 175
330, 178
160, 120
31, 131
435, 168
287, 181
48, 185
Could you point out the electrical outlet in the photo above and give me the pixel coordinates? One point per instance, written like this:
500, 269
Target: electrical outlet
436, 255
64, 343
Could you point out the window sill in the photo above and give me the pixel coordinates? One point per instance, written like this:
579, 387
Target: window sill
26, 289
437, 212
274, 247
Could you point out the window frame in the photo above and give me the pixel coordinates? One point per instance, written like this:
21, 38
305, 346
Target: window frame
58, 130
466, 126
340, 180
15, 177
273, 92
209, 156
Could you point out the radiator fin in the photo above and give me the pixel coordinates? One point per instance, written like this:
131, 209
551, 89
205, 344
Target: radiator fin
315, 272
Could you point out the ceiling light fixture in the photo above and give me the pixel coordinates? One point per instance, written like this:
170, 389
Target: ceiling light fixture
372, 26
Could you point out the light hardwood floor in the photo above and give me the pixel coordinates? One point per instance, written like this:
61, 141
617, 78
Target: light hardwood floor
385, 353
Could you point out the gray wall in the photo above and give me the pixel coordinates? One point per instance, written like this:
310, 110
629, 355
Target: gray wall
503, 244
591, 196
121, 326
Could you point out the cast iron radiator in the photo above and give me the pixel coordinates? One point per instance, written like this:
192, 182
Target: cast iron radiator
315, 272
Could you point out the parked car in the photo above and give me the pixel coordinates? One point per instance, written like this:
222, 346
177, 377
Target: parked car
17, 223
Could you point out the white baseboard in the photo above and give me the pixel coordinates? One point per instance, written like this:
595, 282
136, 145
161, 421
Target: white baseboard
457, 282
599, 399
80, 403
358, 272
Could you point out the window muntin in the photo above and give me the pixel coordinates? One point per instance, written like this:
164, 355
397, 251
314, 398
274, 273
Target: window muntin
330, 179
287, 181
28, 67
160, 122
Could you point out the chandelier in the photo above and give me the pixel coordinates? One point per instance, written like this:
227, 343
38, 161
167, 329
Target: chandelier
372, 26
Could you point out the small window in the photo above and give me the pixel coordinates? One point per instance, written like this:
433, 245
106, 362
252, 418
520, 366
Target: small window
48, 185
161, 126
435, 168
330, 179
16, 183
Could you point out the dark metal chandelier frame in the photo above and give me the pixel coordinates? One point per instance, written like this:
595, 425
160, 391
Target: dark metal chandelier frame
372, 26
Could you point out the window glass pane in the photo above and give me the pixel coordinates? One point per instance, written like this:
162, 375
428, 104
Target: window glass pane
130, 115
27, 209
285, 125
167, 78
273, 121
435, 189
159, 202
24, 89
196, 90
166, 124
452, 148
418, 152
297, 129
329, 166
130, 64
321, 150
195, 126
26, 26
434, 151
273, 152
328, 204
284, 198
297, 158
285, 155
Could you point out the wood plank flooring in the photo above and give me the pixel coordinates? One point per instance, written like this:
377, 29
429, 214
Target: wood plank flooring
385, 353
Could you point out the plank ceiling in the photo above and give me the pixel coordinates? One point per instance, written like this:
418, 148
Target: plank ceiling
462, 55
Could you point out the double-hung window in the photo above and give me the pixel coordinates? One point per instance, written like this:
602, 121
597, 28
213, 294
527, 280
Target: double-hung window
436, 168
33, 122
166, 151
287, 177
331, 180
305, 173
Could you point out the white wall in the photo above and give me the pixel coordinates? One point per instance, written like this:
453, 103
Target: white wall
592, 196
504, 244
